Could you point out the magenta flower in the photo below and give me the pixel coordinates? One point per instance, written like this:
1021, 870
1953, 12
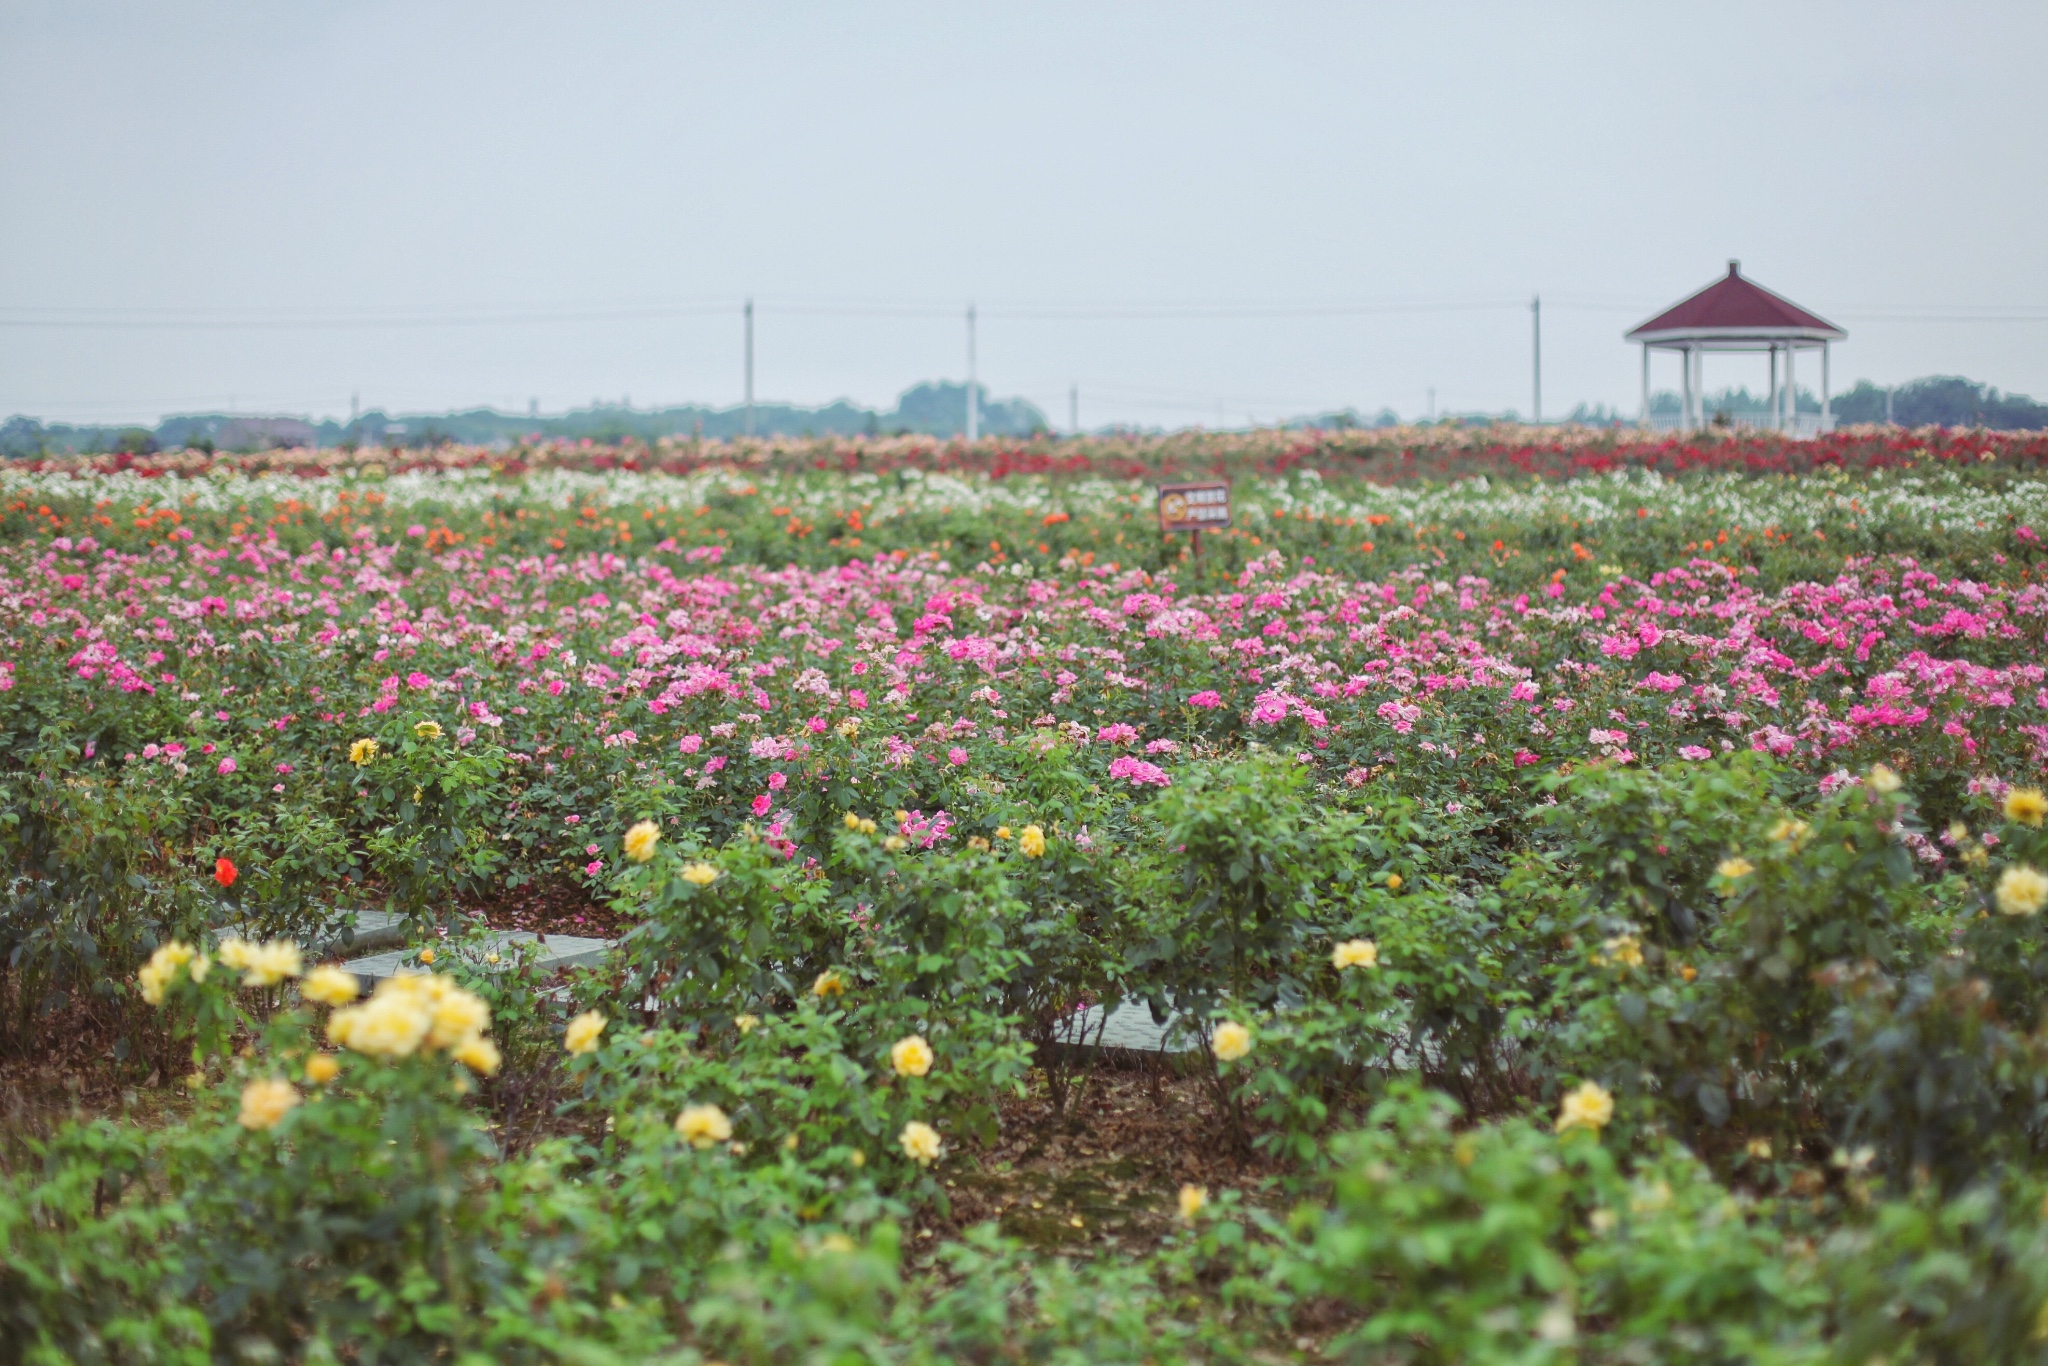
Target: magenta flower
956, 756
227, 766
762, 803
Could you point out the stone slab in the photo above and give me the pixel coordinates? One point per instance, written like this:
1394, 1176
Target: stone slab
557, 951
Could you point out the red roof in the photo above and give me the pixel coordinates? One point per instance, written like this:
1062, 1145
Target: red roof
1734, 305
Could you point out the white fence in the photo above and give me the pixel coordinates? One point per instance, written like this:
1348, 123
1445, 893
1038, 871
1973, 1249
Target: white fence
1808, 424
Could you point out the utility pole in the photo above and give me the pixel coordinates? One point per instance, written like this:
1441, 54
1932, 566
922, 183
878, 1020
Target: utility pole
1074, 410
750, 367
973, 398
1536, 378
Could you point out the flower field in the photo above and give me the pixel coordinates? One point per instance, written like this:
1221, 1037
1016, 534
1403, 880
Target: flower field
1592, 903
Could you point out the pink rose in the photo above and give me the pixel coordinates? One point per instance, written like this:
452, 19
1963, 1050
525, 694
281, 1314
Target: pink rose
956, 756
690, 744
227, 766
777, 781
762, 803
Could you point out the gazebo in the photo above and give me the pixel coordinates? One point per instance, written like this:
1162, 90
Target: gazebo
1734, 314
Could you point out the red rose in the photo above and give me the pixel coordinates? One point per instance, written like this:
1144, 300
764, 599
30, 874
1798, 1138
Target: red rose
224, 872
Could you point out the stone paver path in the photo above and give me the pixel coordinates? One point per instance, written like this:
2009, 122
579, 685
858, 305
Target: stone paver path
557, 951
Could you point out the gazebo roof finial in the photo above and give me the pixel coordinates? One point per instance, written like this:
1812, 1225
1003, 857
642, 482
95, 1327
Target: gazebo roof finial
1734, 267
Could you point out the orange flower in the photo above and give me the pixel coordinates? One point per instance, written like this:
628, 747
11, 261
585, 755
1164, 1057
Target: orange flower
224, 872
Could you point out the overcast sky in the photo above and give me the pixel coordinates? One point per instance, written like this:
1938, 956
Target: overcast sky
362, 163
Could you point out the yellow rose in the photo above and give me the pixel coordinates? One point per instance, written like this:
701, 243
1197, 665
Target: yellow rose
701, 874
330, 986
852, 821
1031, 842
921, 1143
479, 1055
583, 1031
1882, 779
162, 969
911, 1057
458, 1015
362, 751
392, 1024
2022, 891
895, 844
321, 1068
1393, 882
1732, 868
1232, 1041
1589, 1106
271, 962
1790, 831
829, 983
640, 841
703, 1125
1192, 1199
848, 727
2026, 805
264, 1103
1355, 953
426, 730
745, 1023
1625, 950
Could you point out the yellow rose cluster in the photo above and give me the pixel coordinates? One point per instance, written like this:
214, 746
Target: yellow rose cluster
261, 965
418, 1010
162, 969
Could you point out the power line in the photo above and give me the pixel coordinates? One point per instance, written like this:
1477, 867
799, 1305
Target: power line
106, 318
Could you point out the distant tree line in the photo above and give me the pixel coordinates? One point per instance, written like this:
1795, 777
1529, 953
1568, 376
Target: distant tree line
1942, 401
935, 409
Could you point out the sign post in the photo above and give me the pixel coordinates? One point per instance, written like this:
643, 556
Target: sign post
1194, 508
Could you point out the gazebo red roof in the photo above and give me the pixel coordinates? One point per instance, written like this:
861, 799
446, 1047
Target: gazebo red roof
1734, 307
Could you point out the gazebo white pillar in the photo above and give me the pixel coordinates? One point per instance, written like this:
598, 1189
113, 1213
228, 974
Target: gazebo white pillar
1791, 393
1646, 383
1774, 380
1827, 417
